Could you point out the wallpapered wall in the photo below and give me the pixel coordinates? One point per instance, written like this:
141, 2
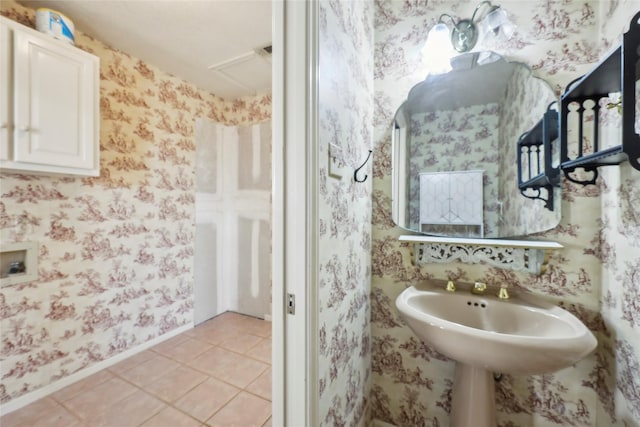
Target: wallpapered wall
527, 99
116, 251
345, 120
596, 276
444, 133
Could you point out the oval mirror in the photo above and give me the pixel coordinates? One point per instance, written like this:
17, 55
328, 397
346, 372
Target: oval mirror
454, 151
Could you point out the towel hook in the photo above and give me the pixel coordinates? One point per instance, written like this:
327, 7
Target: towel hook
355, 173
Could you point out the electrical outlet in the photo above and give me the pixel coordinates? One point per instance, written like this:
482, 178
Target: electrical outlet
336, 167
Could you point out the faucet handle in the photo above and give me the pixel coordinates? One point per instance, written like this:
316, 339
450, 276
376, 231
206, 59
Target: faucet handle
451, 287
503, 293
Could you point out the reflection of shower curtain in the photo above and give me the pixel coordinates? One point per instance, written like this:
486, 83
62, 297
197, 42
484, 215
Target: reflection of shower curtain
233, 219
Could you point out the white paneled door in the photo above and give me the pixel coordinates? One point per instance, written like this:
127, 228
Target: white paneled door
233, 224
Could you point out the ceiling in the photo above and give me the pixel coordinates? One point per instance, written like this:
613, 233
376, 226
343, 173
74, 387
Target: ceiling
214, 44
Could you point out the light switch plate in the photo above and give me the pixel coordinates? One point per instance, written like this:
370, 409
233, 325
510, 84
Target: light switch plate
336, 167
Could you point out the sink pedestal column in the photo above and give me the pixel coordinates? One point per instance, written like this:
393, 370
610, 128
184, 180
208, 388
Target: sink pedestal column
473, 403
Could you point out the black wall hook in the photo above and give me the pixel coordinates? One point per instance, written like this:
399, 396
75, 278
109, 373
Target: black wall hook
355, 173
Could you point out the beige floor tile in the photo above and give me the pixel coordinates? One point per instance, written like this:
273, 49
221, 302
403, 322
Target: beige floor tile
185, 350
82, 386
170, 417
96, 401
150, 371
130, 411
261, 351
262, 385
230, 367
169, 344
207, 398
202, 334
255, 326
173, 371
213, 333
132, 362
42, 413
58, 418
234, 322
240, 342
176, 383
211, 359
245, 410
28, 413
241, 372
229, 319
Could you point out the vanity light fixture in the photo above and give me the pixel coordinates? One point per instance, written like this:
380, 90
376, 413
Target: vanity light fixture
437, 51
465, 32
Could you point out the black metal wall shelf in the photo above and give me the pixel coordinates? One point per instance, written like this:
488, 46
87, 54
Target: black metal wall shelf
618, 72
535, 155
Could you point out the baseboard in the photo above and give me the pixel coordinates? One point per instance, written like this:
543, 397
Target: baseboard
28, 398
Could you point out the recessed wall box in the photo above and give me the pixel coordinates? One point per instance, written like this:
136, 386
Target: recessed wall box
18, 263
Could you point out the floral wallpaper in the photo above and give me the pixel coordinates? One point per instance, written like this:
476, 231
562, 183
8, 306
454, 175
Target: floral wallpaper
116, 252
344, 273
595, 276
527, 99
445, 132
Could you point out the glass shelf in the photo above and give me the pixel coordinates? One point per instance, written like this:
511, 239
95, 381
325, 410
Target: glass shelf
534, 244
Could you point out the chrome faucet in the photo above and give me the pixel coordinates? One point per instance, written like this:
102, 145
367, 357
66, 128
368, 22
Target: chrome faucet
479, 288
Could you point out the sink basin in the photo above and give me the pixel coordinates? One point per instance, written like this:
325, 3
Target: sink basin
485, 334
521, 335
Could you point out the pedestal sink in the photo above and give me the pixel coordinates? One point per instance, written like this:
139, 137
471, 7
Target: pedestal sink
485, 334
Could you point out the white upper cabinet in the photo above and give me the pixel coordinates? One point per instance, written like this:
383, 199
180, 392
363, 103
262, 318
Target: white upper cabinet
49, 111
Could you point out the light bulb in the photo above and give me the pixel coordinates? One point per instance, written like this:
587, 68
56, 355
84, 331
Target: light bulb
496, 21
437, 51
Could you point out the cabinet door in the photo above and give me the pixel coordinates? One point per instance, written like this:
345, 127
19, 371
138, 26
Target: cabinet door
54, 99
435, 198
5, 86
466, 198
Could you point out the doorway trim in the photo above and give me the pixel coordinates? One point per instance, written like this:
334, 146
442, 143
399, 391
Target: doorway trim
295, 212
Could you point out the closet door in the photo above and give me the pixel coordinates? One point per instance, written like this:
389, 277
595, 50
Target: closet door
6, 116
55, 95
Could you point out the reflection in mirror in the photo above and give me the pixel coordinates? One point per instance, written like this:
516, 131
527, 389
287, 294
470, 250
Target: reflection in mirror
454, 151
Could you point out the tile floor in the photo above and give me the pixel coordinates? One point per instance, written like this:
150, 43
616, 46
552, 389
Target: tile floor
217, 374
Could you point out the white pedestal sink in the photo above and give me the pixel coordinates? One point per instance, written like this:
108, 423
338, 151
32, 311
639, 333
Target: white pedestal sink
485, 334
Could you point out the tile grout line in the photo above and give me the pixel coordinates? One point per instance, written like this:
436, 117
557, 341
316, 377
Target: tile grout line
186, 364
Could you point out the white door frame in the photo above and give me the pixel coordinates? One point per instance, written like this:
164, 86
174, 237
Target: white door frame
295, 216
